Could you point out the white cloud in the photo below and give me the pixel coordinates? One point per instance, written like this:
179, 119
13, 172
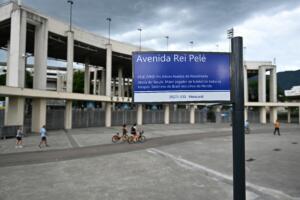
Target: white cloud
273, 36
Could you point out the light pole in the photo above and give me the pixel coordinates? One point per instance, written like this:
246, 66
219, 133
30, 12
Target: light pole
167, 38
71, 4
192, 44
109, 21
140, 30
217, 46
230, 35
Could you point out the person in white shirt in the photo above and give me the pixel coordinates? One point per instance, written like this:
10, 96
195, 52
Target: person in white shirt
43, 134
19, 137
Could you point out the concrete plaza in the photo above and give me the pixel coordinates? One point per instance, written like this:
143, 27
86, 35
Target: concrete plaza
176, 162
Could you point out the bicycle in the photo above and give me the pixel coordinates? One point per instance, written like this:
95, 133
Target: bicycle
141, 138
117, 137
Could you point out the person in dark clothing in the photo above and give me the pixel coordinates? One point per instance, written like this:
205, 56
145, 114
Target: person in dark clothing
134, 131
124, 129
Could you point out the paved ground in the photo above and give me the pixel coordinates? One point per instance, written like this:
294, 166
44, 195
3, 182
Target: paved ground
177, 162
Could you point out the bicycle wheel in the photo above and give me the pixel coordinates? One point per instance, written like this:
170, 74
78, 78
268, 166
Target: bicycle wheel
142, 139
130, 139
115, 139
125, 138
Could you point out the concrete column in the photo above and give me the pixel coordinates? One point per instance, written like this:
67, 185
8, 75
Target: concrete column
38, 114
15, 77
262, 93
108, 114
218, 110
59, 82
263, 115
127, 87
113, 106
167, 114
289, 115
273, 114
102, 85
273, 85
113, 87
192, 114
120, 80
246, 84
87, 77
139, 114
108, 69
70, 59
108, 84
299, 115
68, 115
40, 75
175, 106
99, 87
246, 113
273, 94
14, 111
95, 81
40, 56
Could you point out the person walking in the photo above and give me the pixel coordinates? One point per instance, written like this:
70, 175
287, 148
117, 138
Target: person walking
19, 137
43, 134
276, 126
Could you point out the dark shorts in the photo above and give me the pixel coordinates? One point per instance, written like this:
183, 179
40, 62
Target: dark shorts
133, 134
19, 138
44, 139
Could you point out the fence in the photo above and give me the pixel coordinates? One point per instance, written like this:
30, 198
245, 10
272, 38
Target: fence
153, 117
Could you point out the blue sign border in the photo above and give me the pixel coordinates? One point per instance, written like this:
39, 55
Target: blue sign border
181, 52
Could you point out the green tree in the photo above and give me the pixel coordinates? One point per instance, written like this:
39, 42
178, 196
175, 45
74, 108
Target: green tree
28, 78
3, 79
78, 82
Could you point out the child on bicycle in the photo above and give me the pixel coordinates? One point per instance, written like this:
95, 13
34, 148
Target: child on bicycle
134, 132
124, 130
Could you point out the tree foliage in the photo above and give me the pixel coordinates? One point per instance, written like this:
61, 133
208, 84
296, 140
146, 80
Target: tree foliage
78, 82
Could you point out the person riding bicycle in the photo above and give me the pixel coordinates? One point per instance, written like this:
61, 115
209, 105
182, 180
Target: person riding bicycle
124, 130
134, 132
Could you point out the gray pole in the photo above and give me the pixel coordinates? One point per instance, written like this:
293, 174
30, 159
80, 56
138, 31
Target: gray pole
109, 20
167, 37
238, 136
140, 30
71, 3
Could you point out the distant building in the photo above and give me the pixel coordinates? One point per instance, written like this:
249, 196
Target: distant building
293, 93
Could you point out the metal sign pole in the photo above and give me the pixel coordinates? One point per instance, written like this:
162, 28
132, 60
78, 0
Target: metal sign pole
238, 136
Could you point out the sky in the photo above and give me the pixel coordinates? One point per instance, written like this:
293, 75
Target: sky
270, 28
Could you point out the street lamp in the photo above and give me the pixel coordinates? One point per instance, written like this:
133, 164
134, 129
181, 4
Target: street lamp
109, 21
140, 30
167, 37
230, 35
71, 4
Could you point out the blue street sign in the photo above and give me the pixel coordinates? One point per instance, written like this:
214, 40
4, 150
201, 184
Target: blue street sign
181, 76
